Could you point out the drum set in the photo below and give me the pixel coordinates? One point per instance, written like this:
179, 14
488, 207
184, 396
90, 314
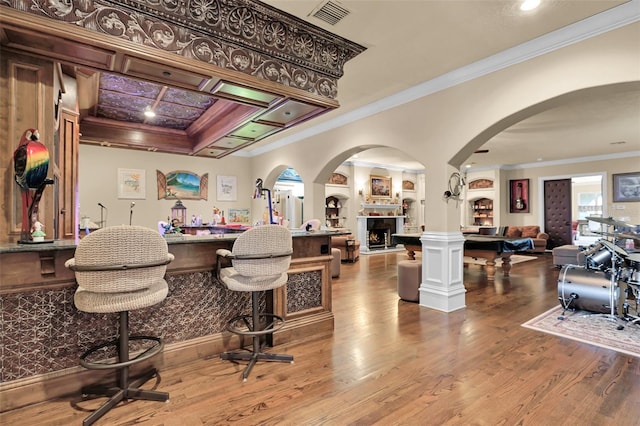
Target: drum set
608, 282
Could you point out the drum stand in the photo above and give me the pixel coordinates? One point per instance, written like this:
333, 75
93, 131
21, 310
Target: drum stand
632, 285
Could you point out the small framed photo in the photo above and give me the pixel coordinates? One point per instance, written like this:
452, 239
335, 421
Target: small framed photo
380, 186
227, 188
131, 184
519, 196
626, 187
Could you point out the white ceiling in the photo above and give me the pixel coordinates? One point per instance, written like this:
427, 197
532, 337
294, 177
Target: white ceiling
415, 41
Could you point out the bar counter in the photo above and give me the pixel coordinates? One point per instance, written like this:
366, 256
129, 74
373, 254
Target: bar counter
43, 334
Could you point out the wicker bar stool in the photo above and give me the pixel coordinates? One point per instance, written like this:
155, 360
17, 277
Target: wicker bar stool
119, 269
260, 258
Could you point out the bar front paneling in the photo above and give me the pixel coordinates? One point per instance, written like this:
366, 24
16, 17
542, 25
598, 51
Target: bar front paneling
43, 334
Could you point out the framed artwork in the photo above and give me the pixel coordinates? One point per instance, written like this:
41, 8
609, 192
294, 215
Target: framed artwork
519, 196
131, 184
408, 185
338, 179
239, 216
227, 188
626, 187
183, 185
380, 186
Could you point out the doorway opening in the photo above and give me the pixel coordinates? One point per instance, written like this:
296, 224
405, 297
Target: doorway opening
288, 199
586, 201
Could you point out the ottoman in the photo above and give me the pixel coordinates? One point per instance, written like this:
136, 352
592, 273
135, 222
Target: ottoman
409, 278
335, 263
567, 255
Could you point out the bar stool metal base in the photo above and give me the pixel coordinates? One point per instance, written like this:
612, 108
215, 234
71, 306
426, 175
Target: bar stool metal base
127, 387
253, 327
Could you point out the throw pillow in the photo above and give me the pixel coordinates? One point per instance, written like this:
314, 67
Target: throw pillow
513, 232
530, 231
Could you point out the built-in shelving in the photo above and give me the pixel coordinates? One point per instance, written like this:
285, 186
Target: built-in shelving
332, 212
483, 212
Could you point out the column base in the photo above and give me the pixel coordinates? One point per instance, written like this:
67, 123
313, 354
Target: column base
448, 300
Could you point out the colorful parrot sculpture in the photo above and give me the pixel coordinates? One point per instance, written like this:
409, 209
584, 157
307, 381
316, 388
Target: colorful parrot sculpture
31, 164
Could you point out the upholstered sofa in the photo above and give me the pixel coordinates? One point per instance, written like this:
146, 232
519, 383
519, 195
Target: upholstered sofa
539, 238
340, 242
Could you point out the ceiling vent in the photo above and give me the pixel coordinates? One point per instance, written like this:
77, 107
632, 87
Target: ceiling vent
330, 11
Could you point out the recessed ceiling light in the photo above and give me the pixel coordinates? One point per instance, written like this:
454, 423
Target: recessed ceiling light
529, 5
148, 112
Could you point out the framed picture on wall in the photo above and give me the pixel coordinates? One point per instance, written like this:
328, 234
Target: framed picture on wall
519, 196
226, 188
131, 184
626, 187
380, 186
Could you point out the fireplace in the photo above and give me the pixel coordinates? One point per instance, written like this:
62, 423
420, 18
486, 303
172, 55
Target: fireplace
375, 231
379, 232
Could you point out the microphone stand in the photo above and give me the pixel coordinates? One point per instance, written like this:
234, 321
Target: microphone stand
131, 212
102, 215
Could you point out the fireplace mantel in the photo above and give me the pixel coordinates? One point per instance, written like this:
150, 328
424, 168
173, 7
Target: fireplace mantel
364, 226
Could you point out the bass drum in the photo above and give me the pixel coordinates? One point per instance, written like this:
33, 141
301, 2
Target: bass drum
585, 289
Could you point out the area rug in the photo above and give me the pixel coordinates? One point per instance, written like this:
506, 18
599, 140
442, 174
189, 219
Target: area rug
515, 258
590, 328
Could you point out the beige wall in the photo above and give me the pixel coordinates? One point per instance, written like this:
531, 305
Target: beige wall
98, 184
629, 212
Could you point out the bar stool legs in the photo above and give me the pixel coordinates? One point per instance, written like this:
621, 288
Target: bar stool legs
254, 328
126, 388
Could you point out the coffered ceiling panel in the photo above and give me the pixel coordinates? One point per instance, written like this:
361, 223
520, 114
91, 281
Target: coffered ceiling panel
230, 143
245, 94
154, 71
254, 131
289, 112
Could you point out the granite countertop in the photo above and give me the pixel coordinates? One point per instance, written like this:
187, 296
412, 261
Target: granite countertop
179, 239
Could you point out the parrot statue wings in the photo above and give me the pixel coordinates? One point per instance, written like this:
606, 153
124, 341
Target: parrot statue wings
30, 161
31, 164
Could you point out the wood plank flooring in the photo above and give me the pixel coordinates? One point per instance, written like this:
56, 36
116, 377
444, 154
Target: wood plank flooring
391, 362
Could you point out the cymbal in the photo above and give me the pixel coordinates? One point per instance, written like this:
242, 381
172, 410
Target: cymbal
605, 234
609, 221
632, 236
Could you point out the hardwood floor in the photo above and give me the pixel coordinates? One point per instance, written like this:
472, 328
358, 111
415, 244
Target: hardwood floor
391, 362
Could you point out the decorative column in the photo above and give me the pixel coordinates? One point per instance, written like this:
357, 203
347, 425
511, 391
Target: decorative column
442, 286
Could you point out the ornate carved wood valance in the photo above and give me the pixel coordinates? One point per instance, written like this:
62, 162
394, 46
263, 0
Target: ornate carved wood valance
407, 185
242, 35
338, 179
481, 184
